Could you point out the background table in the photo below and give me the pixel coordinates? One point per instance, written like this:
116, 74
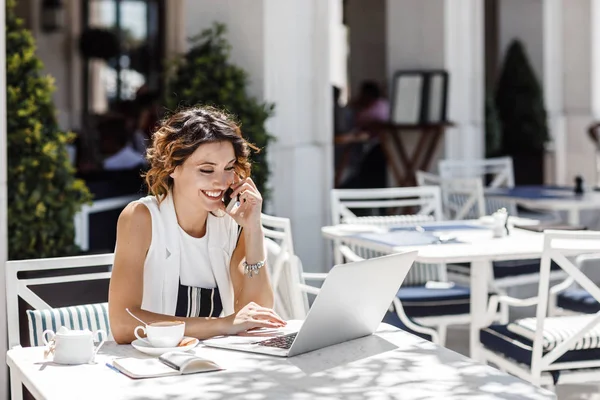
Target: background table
550, 198
390, 364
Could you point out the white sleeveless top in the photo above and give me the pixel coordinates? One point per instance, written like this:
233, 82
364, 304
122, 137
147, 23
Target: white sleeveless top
194, 269
163, 261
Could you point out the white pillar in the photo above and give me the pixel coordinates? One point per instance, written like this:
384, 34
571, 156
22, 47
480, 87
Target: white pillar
284, 45
433, 34
464, 59
553, 86
3, 203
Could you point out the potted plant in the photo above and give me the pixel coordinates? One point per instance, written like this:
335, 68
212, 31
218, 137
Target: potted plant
43, 194
520, 104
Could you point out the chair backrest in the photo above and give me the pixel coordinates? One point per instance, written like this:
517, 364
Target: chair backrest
493, 173
82, 218
285, 268
22, 274
462, 198
424, 205
560, 247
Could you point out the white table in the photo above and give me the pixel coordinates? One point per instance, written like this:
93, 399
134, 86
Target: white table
389, 364
479, 249
556, 200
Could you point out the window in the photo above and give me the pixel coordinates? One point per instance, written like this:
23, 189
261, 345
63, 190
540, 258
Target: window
139, 27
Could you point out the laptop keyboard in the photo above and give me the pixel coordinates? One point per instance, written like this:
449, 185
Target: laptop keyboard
282, 342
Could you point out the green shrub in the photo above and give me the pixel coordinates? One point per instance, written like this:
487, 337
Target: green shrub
520, 104
43, 195
204, 76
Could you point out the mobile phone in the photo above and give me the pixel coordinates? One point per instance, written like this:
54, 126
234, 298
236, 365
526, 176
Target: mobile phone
229, 202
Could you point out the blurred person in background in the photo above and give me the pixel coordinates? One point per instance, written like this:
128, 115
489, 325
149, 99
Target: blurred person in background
116, 145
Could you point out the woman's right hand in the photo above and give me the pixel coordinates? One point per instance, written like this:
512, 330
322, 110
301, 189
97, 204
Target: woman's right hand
253, 316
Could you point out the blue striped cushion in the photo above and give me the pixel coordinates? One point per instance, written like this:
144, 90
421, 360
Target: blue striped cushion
88, 316
558, 330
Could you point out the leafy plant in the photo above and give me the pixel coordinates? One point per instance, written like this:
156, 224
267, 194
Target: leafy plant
205, 76
43, 195
520, 104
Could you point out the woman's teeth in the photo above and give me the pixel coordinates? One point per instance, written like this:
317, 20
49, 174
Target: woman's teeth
215, 195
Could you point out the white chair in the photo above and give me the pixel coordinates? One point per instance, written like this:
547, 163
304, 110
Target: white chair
82, 218
492, 172
549, 350
289, 280
52, 271
429, 307
568, 298
462, 198
405, 321
285, 268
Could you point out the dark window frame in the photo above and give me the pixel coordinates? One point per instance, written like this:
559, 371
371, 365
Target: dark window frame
156, 40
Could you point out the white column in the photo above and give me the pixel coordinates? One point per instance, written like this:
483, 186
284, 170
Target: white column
464, 59
553, 86
595, 49
297, 80
284, 45
3, 203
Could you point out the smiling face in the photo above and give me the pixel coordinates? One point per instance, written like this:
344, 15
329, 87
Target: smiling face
204, 176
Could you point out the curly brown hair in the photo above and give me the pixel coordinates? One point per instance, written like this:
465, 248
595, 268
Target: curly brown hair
179, 135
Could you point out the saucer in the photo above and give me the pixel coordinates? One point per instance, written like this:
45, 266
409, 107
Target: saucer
157, 351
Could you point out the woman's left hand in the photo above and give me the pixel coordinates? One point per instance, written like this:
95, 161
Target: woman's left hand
250, 207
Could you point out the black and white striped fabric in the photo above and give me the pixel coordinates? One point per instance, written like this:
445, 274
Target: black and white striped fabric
198, 302
90, 316
558, 330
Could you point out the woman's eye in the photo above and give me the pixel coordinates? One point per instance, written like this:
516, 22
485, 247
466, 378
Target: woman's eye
229, 168
206, 171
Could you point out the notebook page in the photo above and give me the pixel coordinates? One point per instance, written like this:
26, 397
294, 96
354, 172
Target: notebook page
143, 368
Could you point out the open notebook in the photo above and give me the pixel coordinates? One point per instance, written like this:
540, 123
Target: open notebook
171, 363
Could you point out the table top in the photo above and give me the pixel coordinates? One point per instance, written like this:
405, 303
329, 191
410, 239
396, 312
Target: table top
389, 364
556, 197
471, 245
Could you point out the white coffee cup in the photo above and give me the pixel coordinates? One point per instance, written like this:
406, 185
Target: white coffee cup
162, 334
73, 346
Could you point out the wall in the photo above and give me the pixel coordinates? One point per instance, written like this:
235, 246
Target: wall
56, 50
281, 43
433, 34
577, 85
366, 21
523, 19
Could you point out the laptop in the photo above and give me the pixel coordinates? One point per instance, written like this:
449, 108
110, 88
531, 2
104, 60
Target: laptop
351, 304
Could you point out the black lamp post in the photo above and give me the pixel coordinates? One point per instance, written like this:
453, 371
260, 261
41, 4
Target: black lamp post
52, 15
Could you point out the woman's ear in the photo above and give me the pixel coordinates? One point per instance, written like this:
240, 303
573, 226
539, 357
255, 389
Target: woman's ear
175, 172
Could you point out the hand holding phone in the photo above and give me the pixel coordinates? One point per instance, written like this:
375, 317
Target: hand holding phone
229, 202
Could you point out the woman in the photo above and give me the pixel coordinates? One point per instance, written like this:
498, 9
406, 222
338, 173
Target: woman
179, 254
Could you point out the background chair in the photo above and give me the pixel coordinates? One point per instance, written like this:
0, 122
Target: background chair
492, 172
496, 173
462, 198
549, 350
569, 298
27, 281
285, 268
